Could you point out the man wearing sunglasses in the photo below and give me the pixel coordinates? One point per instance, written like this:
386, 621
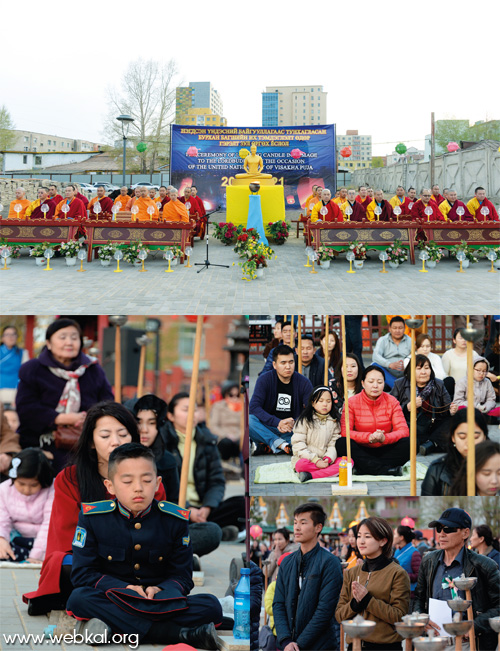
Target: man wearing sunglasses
439, 569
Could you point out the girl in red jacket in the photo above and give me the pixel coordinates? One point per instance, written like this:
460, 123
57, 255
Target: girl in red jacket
380, 439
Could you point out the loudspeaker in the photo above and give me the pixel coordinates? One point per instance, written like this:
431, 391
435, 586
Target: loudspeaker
131, 352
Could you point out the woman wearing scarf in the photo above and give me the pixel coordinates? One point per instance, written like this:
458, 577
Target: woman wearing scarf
56, 389
434, 405
11, 358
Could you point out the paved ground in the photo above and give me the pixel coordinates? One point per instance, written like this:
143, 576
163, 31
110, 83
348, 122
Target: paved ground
286, 287
374, 488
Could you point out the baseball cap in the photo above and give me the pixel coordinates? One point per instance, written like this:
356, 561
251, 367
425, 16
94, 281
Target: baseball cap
418, 534
453, 518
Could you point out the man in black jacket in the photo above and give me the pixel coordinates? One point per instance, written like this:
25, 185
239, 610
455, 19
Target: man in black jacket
307, 588
313, 366
439, 568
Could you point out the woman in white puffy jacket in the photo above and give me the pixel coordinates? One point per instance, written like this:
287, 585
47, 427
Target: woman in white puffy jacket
314, 436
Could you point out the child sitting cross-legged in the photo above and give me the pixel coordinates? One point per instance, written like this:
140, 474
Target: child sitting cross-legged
132, 562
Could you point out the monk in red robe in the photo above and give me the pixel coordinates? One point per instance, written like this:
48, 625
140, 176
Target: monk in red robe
201, 221
449, 208
122, 199
436, 196
21, 201
363, 198
34, 210
426, 201
334, 214
175, 210
83, 199
77, 208
54, 194
358, 212
105, 202
480, 201
385, 206
400, 200
163, 196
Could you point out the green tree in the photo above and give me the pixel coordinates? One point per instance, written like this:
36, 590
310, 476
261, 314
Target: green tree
450, 131
377, 161
7, 126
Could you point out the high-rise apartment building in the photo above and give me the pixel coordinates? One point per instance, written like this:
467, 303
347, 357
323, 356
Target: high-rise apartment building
361, 148
199, 104
43, 142
293, 106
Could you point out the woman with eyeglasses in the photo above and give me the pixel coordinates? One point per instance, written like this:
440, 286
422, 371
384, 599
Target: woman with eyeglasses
379, 590
443, 471
225, 422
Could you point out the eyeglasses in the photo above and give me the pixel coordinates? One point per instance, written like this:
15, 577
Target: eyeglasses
440, 527
234, 395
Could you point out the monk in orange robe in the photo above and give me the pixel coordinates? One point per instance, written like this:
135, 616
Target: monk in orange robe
34, 210
175, 210
19, 200
134, 197
77, 208
54, 194
342, 197
143, 202
105, 202
122, 199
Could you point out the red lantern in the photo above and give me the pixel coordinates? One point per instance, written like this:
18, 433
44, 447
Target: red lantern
408, 522
192, 318
345, 152
453, 146
255, 531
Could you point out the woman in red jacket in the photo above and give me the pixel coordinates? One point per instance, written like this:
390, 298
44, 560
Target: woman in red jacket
107, 426
380, 442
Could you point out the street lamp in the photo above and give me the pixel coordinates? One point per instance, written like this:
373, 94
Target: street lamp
125, 121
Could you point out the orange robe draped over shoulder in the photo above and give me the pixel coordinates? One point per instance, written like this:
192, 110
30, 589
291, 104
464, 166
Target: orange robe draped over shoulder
13, 214
143, 203
175, 211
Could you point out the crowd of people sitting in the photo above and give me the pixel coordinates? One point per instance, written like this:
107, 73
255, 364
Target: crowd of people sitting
371, 204
56, 441
300, 415
374, 569
144, 203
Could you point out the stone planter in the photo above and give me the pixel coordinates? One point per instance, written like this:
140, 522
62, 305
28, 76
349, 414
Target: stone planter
358, 264
431, 263
325, 264
393, 264
174, 262
105, 263
71, 262
137, 263
260, 272
40, 261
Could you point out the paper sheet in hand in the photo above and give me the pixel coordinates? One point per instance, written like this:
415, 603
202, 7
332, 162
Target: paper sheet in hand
440, 613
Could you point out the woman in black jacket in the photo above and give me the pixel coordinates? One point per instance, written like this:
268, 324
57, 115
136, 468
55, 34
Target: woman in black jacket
442, 473
434, 405
206, 482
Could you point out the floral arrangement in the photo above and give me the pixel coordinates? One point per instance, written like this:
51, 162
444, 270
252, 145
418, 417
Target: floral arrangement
176, 250
131, 251
396, 252
255, 256
244, 238
325, 254
38, 250
358, 249
107, 251
279, 231
469, 253
433, 251
225, 232
14, 250
483, 251
70, 249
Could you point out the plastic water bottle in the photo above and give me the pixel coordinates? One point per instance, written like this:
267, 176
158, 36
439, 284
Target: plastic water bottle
241, 630
343, 472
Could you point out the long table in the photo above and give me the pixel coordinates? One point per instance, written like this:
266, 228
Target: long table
33, 231
474, 233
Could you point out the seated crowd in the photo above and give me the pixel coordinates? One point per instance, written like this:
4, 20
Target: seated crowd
58, 468
372, 205
302, 415
377, 571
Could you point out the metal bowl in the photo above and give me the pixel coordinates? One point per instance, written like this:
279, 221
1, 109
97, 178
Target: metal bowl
254, 187
457, 628
430, 643
358, 629
495, 624
459, 605
420, 618
465, 583
409, 630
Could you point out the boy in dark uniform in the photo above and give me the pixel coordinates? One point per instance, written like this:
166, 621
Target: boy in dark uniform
132, 562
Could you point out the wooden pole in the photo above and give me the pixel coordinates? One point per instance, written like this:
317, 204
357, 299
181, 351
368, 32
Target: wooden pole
433, 149
425, 327
207, 402
140, 378
292, 334
413, 418
118, 364
470, 613
327, 358
299, 343
190, 416
471, 445
346, 389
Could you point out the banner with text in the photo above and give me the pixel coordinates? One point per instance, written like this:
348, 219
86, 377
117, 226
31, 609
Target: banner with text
209, 157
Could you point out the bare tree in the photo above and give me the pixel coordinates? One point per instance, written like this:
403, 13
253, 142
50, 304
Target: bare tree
147, 93
7, 126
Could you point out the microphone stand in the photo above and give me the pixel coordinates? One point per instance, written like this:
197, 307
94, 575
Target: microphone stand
207, 263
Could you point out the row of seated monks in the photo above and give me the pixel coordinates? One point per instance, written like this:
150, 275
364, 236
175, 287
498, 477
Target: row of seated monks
371, 205
143, 204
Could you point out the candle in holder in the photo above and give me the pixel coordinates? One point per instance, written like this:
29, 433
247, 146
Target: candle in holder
188, 206
410, 205
383, 256
118, 256
142, 255
45, 209
134, 211
308, 253
424, 256
485, 211
168, 255
18, 208
492, 256
348, 212
5, 253
311, 205
115, 209
428, 211
460, 212
350, 256
324, 211
397, 212
81, 256
65, 210
1, 208
97, 209
151, 212
314, 257
47, 254
461, 257
188, 251
378, 212
158, 205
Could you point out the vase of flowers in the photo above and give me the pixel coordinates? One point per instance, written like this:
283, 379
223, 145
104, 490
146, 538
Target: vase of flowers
255, 257
131, 252
243, 239
38, 252
278, 231
325, 256
70, 250
225, 232
396, 254
106, 253
470, 255
433, 251
359, 251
